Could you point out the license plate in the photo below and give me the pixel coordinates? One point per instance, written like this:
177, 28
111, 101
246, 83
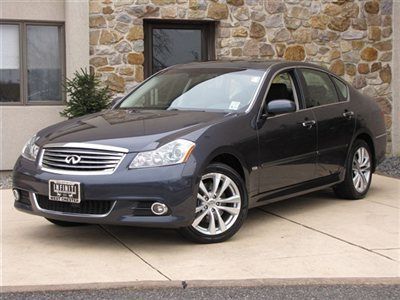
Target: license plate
65, 191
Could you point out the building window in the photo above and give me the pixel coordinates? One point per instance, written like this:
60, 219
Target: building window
169, 43
10, 79
31, 63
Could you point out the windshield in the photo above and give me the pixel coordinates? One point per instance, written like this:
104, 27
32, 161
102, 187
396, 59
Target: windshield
196, 89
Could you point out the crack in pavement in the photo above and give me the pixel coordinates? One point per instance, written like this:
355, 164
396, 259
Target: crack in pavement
384, 204
130, 250
327, 234
396, 248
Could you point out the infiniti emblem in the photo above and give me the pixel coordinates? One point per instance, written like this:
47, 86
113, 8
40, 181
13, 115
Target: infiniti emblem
72, 159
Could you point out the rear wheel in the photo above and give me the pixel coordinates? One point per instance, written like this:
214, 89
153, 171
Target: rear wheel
64, 223
221, 206
358, 173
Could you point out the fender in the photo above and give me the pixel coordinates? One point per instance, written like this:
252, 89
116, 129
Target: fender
225, 150
358, 132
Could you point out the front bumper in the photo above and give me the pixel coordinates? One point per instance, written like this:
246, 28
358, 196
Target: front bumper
127, 191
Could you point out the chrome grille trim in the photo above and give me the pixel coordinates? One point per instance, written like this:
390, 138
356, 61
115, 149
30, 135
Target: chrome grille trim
94, 159
53, 212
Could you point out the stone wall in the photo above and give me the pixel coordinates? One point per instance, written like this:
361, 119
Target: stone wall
351, 38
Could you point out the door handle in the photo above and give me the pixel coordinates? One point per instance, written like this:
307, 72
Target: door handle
308, 124
348, 114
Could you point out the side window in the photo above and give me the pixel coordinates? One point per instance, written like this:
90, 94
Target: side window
341, 88
281, 88
319, 88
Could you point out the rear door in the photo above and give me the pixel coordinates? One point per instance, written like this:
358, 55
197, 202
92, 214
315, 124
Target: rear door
287, 142
327, 97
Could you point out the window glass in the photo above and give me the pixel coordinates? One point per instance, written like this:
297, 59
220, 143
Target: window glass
341, 87
9, 63
319, 88
175, 46
281, 88
43, 63
197, 89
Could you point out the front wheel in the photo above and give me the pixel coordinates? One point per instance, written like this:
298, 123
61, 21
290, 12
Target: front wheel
221, 206
358, 173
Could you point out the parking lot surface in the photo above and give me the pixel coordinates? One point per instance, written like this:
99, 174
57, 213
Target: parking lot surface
313, 236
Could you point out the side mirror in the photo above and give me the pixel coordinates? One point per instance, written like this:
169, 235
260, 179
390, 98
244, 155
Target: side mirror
281, 106
114, 101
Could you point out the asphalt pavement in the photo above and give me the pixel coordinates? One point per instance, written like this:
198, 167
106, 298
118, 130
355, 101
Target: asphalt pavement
298, 292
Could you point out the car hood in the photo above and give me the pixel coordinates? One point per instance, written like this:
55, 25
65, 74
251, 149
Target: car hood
131, 129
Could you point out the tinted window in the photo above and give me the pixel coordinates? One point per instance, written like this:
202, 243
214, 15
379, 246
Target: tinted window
319, 88
281, 88
341, 88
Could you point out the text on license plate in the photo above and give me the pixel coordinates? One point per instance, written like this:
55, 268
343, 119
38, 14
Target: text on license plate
65, 191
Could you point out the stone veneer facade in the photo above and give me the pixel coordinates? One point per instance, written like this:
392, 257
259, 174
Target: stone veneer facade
351, 38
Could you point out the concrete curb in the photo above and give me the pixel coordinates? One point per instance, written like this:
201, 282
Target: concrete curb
140, 285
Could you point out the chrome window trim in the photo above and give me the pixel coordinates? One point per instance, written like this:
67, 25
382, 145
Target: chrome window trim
59, 213
267, 91
82, 146
257, 93
329, 74
304, 109
296, 97
381, 135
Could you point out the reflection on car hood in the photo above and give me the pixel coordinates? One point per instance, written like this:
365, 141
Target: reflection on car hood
134, 130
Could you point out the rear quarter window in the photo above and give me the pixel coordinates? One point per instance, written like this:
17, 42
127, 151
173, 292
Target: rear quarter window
341, 88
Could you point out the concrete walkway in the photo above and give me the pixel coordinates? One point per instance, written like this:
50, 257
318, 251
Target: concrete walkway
314, 236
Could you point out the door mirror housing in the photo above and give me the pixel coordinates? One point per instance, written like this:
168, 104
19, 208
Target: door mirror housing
281, 106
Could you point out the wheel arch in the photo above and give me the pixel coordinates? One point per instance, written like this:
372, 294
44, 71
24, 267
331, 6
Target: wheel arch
366, 137
231, 158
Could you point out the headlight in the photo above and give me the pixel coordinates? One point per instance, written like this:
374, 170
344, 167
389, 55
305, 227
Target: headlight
173, 153
31, 150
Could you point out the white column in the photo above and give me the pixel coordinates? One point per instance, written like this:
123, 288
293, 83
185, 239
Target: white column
76, 35
396, 79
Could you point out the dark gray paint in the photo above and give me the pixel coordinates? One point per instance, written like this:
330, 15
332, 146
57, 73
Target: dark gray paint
279, 158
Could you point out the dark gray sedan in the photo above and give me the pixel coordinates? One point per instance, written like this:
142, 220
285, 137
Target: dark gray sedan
195, 146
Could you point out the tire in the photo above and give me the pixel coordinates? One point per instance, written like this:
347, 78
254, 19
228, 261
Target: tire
350, 188
227, 208
64, 223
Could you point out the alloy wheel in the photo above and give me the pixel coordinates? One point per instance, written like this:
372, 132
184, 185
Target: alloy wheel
361, 169
218, 204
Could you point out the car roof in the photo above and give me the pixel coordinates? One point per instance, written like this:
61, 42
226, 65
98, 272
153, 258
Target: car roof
247, 64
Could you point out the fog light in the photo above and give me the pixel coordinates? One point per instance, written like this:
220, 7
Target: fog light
159, 209
16, 195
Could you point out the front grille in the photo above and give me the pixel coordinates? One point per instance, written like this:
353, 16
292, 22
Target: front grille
81, 159
87, 207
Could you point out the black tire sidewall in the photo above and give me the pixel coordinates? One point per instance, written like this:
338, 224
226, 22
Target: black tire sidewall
192, 234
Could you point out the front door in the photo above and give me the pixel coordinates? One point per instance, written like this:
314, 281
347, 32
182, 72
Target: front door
287, 142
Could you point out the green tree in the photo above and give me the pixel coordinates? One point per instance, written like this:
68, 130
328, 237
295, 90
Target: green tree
86, 95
